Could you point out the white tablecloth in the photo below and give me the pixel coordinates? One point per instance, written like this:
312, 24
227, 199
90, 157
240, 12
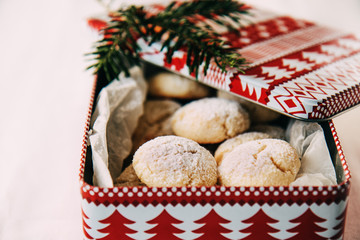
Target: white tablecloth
44, 97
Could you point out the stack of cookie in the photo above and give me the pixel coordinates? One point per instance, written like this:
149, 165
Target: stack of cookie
189, 136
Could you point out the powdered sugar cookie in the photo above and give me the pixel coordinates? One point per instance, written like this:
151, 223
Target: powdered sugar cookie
172, 85
265, 162
257, 112
155, 122
210, 120
232, 143
174, 161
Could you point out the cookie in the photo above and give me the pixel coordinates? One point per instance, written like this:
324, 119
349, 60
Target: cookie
155, 122
258, 113
128, 178
210, 120
128, 175
265, 162
129, 184
273, 131
227, 146
172, 85
168, 161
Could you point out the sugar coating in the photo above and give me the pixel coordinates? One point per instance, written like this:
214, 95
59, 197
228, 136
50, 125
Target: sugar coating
265, 162
156, 121
232, 143
258, 113
168, 161
173, 85
210, 120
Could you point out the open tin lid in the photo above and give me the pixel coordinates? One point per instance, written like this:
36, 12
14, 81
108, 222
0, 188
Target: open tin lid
298, 68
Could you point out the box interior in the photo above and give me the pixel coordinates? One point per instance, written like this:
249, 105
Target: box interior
333, 151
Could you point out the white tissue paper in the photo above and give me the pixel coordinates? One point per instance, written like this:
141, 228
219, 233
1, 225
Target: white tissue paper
316, 168
118, 108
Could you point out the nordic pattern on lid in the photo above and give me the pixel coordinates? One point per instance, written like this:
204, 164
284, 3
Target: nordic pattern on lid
282, 50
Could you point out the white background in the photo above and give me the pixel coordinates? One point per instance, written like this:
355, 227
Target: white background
44, 96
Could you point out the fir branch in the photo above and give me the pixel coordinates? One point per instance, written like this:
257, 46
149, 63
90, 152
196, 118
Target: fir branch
175, 28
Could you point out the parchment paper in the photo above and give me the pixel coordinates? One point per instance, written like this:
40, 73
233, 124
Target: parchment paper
119, 106
308, 139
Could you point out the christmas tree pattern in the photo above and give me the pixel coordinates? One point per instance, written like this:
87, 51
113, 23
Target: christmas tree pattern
276, 72
85, 225
116, 228
212, 228
164, 228
340, 226
307, 227
259, 228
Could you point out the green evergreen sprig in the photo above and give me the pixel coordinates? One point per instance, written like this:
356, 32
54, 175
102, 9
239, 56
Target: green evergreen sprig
175, 29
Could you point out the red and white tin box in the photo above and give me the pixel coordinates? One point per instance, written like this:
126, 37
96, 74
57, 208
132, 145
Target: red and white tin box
298, 68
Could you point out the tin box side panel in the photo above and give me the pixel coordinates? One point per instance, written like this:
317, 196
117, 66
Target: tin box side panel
197, 221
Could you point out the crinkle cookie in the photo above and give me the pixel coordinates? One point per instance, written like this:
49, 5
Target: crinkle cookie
168, 161
155, 122
172, 85
265, 162
210, 120
227, 146
258, 113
